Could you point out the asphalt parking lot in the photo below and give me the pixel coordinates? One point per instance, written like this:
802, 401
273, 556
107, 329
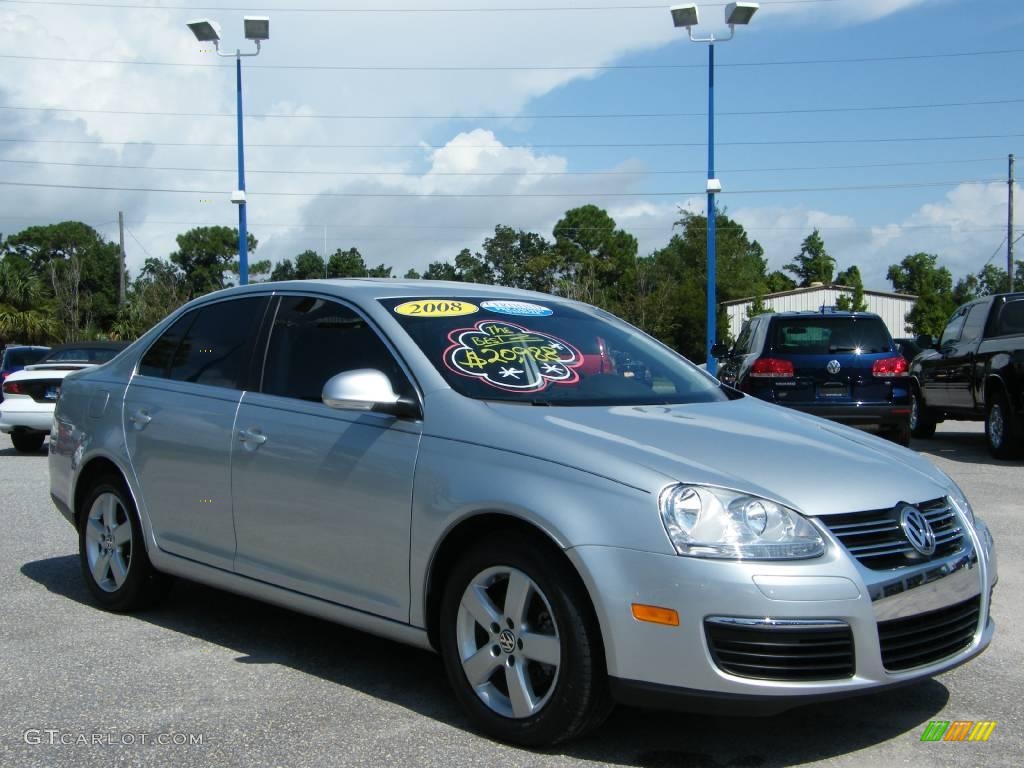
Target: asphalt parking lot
248, 684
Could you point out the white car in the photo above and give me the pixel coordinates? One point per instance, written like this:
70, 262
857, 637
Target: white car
30, 394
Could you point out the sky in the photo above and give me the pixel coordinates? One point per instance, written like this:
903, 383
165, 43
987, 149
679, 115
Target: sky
411, 128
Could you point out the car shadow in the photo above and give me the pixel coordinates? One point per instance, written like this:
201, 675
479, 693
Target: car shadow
966, 446
415, 679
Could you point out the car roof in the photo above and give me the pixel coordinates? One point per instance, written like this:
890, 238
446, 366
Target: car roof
391, 288
812, 313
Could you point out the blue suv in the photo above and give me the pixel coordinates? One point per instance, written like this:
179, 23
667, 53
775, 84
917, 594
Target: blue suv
16, 357
842, 366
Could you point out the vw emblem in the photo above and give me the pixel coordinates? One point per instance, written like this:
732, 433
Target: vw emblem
918, 530
507, 641
833, 366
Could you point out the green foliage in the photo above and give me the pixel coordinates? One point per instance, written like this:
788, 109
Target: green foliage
918, 274
441, 270
851, 279
158, 290
813, 264
779, 281
346, 264
204, 254
412, 274
592, 256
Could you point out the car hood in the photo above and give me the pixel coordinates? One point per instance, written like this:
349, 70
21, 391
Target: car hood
813, 465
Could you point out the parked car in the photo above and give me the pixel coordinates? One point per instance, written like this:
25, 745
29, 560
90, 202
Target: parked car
30, 394
911, 348
976, 372
443, 465
15, 357
842, 366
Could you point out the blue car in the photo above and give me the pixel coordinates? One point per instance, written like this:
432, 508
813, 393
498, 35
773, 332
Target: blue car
842, 366
16, 357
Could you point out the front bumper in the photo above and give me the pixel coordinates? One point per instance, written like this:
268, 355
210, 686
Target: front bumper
25, 413
656, 664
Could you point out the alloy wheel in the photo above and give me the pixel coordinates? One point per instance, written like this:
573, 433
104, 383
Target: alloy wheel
996, 425
108, 542
508, 642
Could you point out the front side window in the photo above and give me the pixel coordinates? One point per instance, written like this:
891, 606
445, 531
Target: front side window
547, 353
211, 345
974, 324
951, 333
314, 339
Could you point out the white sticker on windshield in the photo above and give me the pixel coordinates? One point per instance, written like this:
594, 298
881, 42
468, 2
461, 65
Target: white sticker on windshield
517, 308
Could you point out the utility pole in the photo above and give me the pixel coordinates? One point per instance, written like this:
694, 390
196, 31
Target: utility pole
121, 281
1009, 227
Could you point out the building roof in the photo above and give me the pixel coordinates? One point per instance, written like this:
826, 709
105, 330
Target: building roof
812, 288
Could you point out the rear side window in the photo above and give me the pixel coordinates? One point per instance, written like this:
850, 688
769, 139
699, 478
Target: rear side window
823, 335
212, 345
1011, 319
313, 339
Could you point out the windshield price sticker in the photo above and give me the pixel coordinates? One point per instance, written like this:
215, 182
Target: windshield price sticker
509, 357
518, 308
436, 308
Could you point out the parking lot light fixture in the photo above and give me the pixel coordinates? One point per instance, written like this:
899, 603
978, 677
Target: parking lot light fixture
687, 16
257, 29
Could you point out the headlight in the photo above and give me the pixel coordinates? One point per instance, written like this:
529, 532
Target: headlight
717, 523
960, 502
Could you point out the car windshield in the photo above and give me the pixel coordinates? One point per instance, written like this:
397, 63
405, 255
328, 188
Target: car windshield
81, 355
824, 335
547, 353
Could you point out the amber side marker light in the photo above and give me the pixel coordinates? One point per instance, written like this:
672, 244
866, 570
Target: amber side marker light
655, 615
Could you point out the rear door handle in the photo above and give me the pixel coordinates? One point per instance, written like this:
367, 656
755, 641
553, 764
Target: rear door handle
252, 437
140, 418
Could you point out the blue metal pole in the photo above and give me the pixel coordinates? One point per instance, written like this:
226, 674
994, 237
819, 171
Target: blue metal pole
712, 364
243, 235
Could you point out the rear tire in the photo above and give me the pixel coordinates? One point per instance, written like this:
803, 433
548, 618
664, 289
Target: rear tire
27, 442
922, 418
1002, 428
112, 551
900, 434
536, 662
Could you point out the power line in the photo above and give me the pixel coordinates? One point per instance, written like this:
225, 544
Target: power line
513, 174
422, 146
517, 68
576, 116
478, 195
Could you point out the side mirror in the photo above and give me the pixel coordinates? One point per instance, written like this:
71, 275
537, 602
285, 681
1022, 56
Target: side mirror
720, 350
366, 389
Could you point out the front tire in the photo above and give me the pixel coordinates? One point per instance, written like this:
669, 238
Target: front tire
112, 551
521, 645
922, 419
1002, 428
27, 442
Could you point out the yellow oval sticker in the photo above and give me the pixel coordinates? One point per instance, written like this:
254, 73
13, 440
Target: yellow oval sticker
436, 308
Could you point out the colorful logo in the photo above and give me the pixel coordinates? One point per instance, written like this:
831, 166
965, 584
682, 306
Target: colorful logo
518, 308
958, 730
510, 357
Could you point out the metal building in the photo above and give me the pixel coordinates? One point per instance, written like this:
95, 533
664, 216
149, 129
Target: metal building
891, 307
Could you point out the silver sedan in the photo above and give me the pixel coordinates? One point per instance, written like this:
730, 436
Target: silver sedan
566, 510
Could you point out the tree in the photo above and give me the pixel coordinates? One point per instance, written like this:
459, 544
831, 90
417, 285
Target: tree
779, 281
850, 278
346, 264
813, 264
284, 270
592, 256
158, 290
381, 270
441, 270
412, 274
519, 259
470, 268
918, 274
204, 254
25, 314
310, 265
259, 271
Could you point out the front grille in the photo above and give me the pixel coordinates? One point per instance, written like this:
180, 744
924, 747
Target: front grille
787, 652
877, 541
928, 637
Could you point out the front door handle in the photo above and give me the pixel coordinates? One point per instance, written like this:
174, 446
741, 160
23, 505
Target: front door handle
140, 418
252, 438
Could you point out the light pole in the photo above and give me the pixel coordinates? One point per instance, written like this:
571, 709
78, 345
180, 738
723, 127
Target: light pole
257, 29
687, 16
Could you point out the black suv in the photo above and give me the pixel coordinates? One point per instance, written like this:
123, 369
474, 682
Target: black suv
842, 366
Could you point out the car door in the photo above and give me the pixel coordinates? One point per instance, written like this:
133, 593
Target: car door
322, 497
179, 414
937, 371
960, 359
